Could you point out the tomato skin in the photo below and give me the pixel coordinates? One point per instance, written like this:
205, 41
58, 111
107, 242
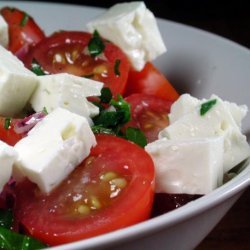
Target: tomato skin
21, 33
9, 135
71, 48
133, 205
152, 82
149, 113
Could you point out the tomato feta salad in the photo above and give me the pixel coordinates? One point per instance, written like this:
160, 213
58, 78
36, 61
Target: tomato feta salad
93, 137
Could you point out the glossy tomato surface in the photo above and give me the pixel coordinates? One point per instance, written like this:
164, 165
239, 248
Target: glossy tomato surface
149, 113
150, 81
68, 51
108, 191
7, 132
23, 30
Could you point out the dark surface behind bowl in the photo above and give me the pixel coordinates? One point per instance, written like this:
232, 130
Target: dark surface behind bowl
229, 19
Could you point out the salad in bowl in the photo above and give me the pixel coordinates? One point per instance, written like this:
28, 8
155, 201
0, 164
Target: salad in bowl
95, 140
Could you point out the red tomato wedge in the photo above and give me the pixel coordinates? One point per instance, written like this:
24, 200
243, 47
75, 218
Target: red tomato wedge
150, 81
23, 30
148, 113
108, 191
67, 51
7, 133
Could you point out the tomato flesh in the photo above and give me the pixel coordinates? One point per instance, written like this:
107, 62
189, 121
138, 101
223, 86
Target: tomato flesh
67, 51
150, 81
23, 30
106, 192
9, 135
148, 113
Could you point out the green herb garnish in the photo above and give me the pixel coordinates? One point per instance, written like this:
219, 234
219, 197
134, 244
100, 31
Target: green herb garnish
114, 117
6, 218
101, 130
121, 105
24, 20
206, 106
96, 45
10, 240
116, 67
106, 95
36, 68
7, 123
136, 135
45, 111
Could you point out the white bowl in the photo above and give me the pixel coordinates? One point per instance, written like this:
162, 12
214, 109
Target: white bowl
197, 62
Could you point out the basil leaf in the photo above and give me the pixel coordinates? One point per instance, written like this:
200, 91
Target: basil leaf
96, 45
106, 95
36, 68
10, 240
24, 20
206, 106
116, 67
136, 135
7, 123
6, 218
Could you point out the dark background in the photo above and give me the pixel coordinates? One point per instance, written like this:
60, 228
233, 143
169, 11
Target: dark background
230, 19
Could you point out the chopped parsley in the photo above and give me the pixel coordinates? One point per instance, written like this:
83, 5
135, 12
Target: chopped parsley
24, 20
36, 68
96, 45
7, 123
206, 106
116, 67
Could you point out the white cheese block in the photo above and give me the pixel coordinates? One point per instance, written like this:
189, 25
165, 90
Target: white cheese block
53, 148
7, 157
192, 166
16, 84
68, 92
4, 34
133, 28
222, 119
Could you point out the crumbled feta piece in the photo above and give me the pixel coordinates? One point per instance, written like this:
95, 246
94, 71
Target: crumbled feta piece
16, 84
68, 92
133, 28
191, 166
4, 34
223, 119
7, 157
53, 148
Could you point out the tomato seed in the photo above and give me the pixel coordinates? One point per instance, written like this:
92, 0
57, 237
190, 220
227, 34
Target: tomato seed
119, 182
83, 209
108, 176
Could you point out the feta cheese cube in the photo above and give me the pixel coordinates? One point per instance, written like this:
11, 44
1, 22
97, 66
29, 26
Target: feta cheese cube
133, 28
68, 92
192, 166
4, 34
222, 119
16, 84
53, 148
7, 157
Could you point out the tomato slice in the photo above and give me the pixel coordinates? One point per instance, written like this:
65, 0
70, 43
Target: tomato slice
149, 113
67, 51
23, 30
106, 192
7, 132
152, 82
